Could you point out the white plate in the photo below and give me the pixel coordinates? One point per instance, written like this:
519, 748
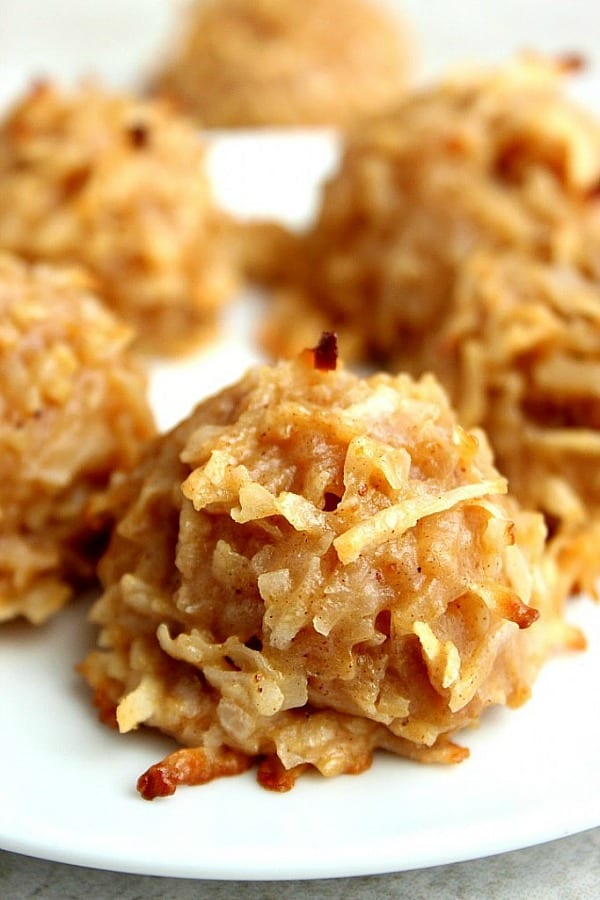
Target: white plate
68, 783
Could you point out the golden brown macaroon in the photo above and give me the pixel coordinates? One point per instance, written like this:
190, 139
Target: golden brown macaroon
118, 185
335, 568
287, 62
520, 356
462, 235
498, 160
72, 410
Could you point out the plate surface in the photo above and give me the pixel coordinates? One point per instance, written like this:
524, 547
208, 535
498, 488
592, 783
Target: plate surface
69, 794
68, 786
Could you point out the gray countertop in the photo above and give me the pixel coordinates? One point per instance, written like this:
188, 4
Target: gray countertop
568, 869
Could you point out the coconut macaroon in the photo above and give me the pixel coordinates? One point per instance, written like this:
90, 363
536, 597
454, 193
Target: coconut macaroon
286, 62
118, 185
72, 410
462, 235
520, 356
497, 160
335, 568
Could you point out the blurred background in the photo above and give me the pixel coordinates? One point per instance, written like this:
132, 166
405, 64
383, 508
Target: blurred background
120, 39
124, 41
